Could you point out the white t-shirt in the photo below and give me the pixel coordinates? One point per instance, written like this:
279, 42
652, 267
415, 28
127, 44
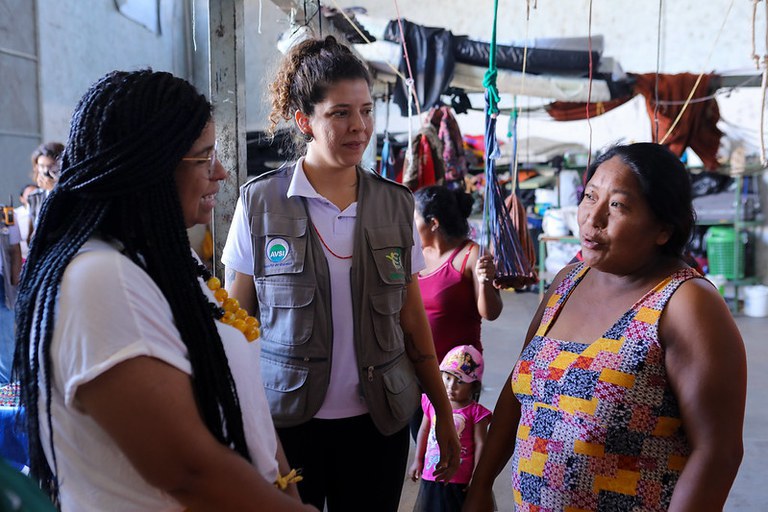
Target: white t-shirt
337, 229
109, 310
22, 220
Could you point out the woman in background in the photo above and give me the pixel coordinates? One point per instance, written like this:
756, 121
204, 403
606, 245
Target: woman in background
457, 285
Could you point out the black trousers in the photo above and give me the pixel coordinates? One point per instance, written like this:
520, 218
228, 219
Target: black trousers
347, 463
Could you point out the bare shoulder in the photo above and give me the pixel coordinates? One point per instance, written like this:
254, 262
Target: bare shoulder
696, 313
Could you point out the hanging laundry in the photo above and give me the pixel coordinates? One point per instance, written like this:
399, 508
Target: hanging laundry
425, 166
430, 51
387, 166
575, 111
697, 127
520, 221
449, 133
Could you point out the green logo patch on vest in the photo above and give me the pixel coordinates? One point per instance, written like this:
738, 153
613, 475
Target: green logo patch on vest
395, 257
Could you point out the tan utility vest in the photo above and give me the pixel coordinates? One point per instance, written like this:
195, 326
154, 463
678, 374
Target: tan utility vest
292, 283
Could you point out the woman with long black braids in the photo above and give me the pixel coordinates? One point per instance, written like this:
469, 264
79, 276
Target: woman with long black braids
137, 396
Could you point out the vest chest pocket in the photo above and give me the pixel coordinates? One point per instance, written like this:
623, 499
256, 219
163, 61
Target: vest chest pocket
385, 313
279, 244
391, 250
287, 312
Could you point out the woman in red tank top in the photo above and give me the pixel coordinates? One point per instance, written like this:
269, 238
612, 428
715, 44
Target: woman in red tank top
457, 284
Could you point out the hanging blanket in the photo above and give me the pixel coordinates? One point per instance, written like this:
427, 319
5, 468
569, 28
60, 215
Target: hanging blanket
430, 52
697, 128
453, 143
425, 165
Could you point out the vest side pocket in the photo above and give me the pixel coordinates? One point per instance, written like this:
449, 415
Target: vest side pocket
279, 244
287, 313
385, 314
402, 389
286, 389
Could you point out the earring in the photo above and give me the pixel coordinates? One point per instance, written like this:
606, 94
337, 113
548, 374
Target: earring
307, 137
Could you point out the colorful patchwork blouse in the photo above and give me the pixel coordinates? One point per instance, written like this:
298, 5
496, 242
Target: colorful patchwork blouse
600, 426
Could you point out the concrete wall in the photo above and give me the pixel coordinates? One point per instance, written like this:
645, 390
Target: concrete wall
78, 42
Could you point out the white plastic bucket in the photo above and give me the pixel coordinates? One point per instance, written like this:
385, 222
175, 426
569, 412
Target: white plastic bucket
756, 300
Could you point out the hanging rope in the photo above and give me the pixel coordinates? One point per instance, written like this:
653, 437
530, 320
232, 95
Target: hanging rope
489, 79
513, 269
698, 80
515, 148
764, 84
755, 56
763, 159
411, 90
261, 6
589, 86
512, 134
658, 70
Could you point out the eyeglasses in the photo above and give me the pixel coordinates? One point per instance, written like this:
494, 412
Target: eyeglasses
211, 159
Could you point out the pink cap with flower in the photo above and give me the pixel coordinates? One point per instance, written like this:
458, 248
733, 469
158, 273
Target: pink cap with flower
464, 362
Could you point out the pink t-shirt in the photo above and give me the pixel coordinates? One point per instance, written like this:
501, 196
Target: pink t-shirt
465, 420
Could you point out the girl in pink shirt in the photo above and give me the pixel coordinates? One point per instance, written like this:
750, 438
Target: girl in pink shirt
462, 371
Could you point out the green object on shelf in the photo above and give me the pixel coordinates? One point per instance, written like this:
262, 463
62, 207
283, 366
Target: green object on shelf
724, 256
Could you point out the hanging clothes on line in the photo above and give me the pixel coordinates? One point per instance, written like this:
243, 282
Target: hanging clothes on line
442, 118
520, 222
387, 166
576, 111
430, 51
697, 127
425, 165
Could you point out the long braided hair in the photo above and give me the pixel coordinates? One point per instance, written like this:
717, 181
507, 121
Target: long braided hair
127, 136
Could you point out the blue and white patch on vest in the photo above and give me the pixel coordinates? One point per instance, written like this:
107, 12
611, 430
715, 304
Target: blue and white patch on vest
395, 257
278, 253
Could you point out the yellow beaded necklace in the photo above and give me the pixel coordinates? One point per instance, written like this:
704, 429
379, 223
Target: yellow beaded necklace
230, 311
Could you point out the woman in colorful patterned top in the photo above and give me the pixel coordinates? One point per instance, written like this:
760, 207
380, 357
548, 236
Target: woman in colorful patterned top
629, 393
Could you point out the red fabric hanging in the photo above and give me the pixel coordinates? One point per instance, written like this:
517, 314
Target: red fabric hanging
427, 164
697, 127
527, 249
574, 111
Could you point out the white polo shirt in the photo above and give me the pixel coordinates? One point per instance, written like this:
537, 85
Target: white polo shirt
337, 229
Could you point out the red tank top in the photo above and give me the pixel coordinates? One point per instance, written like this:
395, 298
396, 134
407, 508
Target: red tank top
451, 307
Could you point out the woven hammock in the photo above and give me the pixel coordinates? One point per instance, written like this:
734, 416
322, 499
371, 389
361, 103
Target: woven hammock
514, 269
